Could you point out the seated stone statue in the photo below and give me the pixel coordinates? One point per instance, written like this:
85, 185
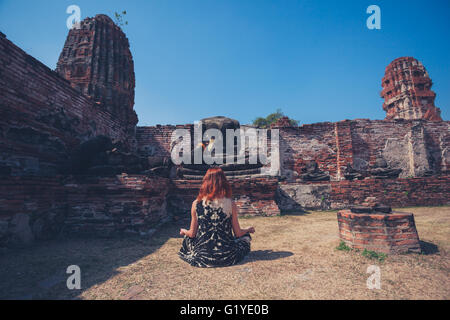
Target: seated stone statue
381, 170
351, 173
231, 163
312, 173
99, 156
87, 153
158, 165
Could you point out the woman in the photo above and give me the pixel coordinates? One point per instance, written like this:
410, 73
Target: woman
210, 242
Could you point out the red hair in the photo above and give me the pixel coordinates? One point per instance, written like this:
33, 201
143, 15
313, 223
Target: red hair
214, 186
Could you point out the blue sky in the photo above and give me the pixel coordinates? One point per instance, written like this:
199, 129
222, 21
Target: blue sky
316, 60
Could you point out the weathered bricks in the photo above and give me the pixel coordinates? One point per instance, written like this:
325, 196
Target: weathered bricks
334, 146
97, 61
387, 233
404, 144
254, 196
407, 91
83, 205
429, 191
43, 116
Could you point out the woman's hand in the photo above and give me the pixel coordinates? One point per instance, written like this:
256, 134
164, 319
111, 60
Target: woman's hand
183, 232
251, 230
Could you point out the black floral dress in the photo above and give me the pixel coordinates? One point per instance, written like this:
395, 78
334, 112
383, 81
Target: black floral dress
214, 244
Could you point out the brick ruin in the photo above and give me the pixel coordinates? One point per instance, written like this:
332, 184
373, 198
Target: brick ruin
82, 114
375, 227
387, 233
407, 91
97, 61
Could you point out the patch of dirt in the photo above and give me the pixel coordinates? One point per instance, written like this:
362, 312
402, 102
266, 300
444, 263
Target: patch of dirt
293, 257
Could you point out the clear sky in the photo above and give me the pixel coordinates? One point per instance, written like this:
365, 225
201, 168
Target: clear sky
316, 60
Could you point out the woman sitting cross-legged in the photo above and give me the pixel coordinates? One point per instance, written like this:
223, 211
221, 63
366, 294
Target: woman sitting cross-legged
210, 241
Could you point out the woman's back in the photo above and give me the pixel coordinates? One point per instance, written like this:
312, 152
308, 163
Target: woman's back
210, 241
214, 244
214, 217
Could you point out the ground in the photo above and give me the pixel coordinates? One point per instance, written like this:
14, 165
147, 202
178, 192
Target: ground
293, 257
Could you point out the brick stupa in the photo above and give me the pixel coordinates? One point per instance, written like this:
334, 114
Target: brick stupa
97, 61
407, 91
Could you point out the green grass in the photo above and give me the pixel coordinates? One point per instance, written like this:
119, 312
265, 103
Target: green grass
343, 247
366, 253
374, 255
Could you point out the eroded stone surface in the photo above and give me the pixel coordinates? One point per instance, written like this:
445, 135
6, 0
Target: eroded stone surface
407, 91
96, 59
299, 197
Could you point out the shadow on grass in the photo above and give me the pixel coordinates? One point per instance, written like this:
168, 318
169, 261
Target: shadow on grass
428, 247
266, 255
39, 272
298, 212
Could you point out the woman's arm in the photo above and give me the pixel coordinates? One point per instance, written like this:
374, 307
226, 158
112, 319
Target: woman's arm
192, 232
238, 232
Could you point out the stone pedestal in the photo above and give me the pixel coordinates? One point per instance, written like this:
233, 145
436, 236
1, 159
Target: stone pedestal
388, 233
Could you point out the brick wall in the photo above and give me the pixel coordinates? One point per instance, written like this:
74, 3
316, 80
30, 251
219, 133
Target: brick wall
437, 140
426, 191
415, 146
156, 140
405, 192
369, 139
252, 196
42, 117
31, 208
308, 142
115, 205
34, 208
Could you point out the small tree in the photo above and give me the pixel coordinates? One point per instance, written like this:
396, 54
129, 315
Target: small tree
271, 119
120, 18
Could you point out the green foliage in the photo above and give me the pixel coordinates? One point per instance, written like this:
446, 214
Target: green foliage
374, 255
343, 247
270, 119
120, 18
366, 253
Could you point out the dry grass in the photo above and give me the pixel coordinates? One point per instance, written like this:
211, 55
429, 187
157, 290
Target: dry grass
293, 257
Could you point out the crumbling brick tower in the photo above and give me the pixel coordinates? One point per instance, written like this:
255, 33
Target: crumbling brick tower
97, 61
407, 91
